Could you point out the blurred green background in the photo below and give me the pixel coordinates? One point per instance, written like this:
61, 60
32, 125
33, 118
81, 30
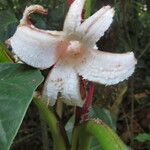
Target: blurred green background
125, 107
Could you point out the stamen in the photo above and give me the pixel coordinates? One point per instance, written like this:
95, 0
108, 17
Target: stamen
69, 49
74, 45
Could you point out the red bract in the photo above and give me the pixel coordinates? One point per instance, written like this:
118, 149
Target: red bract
82, 113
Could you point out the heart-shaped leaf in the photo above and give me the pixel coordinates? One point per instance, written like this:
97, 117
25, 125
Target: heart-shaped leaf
17, 84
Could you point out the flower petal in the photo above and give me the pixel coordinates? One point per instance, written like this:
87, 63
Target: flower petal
73, 18
106, 68
94, 27
63, 80
33, 46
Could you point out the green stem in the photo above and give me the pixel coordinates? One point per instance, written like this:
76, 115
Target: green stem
119, 98
44, 133
59, 139
74, 140
95, 128
59, 108
84, 142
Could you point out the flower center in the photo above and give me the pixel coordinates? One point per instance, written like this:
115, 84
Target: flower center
74, 47
70, 49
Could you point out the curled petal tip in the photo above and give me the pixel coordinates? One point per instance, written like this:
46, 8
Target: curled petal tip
29, 10
35, 8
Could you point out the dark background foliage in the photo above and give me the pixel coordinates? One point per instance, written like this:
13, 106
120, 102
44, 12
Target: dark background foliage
124, 107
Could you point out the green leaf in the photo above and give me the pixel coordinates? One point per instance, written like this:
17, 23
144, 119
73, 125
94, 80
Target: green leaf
7, 20
106, 137
104, 115
17, 84
3, 54
56, 128
142, 137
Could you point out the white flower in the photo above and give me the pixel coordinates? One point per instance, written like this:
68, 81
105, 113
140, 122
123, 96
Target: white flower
71, 52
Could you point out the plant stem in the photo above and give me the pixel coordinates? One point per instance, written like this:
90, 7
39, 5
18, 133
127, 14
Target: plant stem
85, 141
82, 113
132, 111
75, 139
59, 108
106, 137
44, 133
60, 140
116, 105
